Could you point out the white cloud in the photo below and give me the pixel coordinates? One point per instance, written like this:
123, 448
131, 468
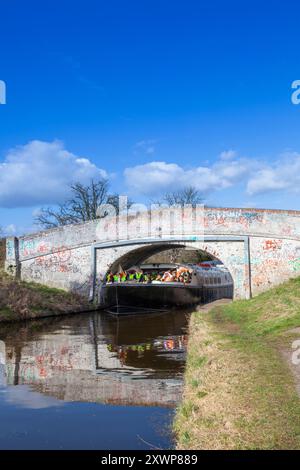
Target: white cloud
228, 155
40, 173
10, 229
156, 177
145, 146
284, 174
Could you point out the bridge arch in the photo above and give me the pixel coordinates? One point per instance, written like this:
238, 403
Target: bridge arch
134, 253
137, 256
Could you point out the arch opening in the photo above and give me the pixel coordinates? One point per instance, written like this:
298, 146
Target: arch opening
214, 275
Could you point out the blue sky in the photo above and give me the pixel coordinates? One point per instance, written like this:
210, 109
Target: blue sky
154, 94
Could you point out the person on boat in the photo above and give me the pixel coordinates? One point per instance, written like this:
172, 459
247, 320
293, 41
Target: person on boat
116, 278
110, 277
186, 277
158, 277
180, 271
147, 279
138, 276
167, 277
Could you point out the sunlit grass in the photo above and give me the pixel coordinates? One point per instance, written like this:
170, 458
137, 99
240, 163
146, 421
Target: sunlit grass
239, 391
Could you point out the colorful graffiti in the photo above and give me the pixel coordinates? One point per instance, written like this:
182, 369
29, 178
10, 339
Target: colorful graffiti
10, 249
272, 245
295, 264
274, 248
229, 219
29, 247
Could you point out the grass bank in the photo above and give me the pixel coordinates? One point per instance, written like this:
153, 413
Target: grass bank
240, 387
21, 300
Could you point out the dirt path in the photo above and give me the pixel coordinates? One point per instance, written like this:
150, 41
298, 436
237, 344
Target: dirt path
216, 303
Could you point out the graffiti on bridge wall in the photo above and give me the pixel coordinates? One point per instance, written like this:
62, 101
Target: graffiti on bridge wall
274, 255
61, 261
228, 220
272, 245
277, 261
67, 264
295, 264
10, 249
57, 262
33, 247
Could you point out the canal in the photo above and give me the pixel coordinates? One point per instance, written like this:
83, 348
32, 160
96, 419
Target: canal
92, 381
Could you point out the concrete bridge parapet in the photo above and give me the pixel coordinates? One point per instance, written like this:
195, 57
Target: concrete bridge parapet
261, 248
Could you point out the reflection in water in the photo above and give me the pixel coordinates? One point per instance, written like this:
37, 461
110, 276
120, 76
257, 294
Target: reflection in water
95, 358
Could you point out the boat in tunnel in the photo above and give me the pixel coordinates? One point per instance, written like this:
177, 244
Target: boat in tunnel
203, 283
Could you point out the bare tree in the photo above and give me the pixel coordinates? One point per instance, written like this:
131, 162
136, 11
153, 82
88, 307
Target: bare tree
80, 207
187, 195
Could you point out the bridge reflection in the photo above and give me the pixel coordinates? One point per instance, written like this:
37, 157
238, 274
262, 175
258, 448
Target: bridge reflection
96, 358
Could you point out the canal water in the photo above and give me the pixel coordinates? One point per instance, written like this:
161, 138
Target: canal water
91, 381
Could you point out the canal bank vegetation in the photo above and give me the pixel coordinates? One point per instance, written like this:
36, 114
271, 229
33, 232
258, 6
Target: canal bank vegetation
21, 300
240, 387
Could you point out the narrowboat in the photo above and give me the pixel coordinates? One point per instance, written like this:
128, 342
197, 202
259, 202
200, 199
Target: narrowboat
201, 284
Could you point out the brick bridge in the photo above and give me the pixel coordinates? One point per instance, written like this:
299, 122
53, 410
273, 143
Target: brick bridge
261, 248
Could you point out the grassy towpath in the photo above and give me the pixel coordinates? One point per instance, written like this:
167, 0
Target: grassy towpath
240, 384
